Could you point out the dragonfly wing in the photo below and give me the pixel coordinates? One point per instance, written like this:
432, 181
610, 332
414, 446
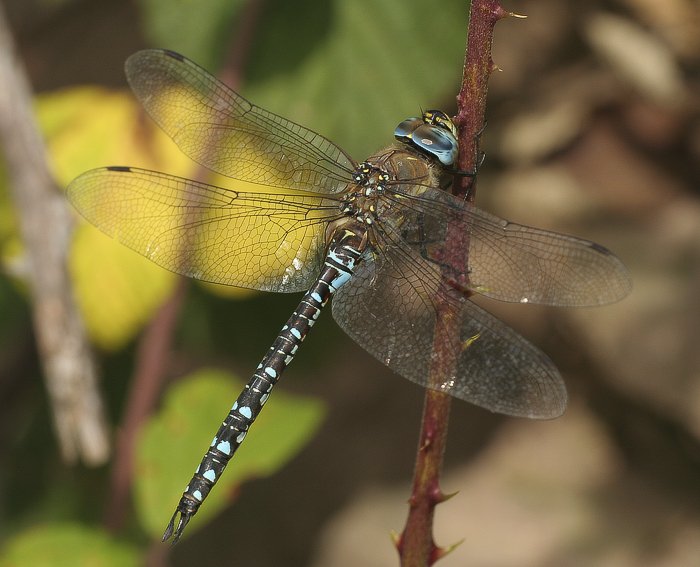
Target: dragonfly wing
221, 130
512, 262
390, 308
271, 242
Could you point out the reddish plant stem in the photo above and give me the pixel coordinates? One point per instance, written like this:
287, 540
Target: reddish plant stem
153, 352
416, 545
471, 100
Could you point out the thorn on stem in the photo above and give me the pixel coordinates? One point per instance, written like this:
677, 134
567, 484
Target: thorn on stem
427, 440
437, 496
444, 497
500, 12
395, 538
440, 552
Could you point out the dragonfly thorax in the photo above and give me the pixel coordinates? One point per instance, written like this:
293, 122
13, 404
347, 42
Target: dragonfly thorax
370, 184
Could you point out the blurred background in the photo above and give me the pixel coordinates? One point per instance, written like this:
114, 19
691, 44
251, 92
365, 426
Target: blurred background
593, 130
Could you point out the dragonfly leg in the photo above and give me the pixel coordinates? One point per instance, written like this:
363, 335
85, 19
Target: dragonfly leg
480, 157
480, 161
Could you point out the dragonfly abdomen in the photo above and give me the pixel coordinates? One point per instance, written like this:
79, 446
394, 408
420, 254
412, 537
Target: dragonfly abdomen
343, 254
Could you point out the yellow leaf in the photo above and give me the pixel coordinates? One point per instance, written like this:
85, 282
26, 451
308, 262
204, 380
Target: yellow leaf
228, 291
117, 290
88, 127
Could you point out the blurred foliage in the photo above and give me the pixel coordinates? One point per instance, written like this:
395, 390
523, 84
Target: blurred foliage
198, 27
118, 291
88, 126
350, 69
9, 232
170, 446
68, 545
320, 71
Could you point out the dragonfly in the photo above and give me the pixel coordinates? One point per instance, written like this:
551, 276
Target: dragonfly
297, 213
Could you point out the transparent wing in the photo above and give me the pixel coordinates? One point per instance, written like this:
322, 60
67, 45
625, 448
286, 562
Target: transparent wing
221, 130
390, 307
508, 261
272, 242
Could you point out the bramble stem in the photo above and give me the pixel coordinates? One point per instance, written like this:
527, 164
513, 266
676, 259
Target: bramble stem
415, 544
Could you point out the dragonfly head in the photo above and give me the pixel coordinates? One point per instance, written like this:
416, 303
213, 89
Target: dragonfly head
434, 134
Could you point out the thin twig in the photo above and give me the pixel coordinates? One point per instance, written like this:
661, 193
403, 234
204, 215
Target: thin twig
45, 223
146, 385
416, 545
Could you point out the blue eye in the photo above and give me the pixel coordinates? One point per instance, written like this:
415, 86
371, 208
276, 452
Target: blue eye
406, 128
436, 141
436, 138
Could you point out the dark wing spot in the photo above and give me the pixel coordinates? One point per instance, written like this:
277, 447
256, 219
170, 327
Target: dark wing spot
173, 54
601, 249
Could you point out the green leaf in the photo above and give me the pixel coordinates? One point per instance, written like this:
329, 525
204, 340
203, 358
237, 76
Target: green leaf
350, 69
67, 545
174, 441
353, 69
194, 27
